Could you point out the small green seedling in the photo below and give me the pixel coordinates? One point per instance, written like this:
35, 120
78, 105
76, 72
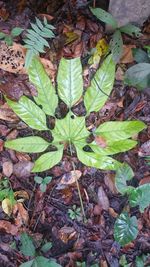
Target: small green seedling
126, 227
30, 249
43, 182
75, 213
116, 42
8, 38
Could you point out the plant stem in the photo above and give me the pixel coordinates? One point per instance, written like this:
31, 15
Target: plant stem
78, 187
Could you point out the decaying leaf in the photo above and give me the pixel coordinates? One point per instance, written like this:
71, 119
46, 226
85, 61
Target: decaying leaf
70, 177
7, 168
127, 56
12, 59
23, 169
7, 114
21, 195
20, 214
8, 227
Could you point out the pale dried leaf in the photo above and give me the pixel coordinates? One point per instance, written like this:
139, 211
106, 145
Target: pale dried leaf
7, 206
23, 169
21, 215
7, 168
70, 177
103, 200
127, 56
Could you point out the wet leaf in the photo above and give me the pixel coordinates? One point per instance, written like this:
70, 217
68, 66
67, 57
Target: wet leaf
125, 229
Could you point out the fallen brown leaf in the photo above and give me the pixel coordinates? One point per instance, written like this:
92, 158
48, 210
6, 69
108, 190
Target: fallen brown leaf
127, 56
20, 214
70, 177
7, 114
8, 227
23, 169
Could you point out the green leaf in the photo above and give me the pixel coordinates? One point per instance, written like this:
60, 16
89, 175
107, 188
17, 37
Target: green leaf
27, 264
46, 93
140, 55
43, 187
104, 16
119, 130
47, 246
138, 75
29, 112
42, 261
38, 179
47, 179
8, 40
16, 31
29, 57
131, 30
113, 147
31, 144
92, 159
116, 46
70, 129
69, 80
140, 197
48, 160
125, 229
101, 86
123, 174
27, 246
2, 35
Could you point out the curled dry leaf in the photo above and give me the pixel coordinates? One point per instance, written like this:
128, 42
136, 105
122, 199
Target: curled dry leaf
12, 59
23, 169
66, 233
70, 177
8, 227
7, 168
103, 200
21, 195
20, 214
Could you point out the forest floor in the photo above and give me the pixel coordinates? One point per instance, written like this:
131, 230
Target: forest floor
45, 215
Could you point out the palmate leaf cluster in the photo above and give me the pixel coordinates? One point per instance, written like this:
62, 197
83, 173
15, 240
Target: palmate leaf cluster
35, 40
72, 129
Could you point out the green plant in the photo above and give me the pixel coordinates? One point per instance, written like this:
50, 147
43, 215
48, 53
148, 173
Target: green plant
75, 213
35, 39
28, 249
139, 74
43, 182
126, 228
116, 43
6, 195
8, 38
72, 130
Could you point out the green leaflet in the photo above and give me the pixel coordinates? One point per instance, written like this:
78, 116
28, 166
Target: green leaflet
96, 160
70, 82
27, 247
116, 46
119, 130
48, 160
123, 174
70, 129
31, 144
125, 229
140, 56
29, 112
140, 197
47, 97
28, 264
131, 30
113, 147
138, 75
42, 261
104, 16
101, 86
